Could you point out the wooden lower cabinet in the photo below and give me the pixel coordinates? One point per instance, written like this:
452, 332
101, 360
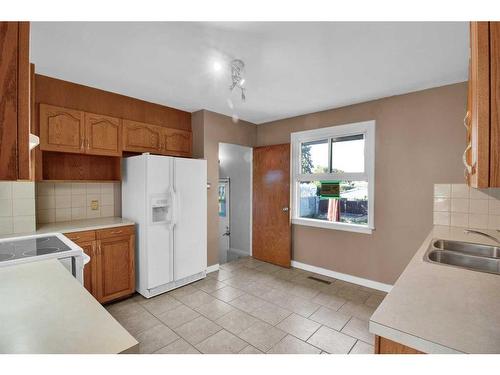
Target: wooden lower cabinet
115, 268
89, 272
386, 346
110, 274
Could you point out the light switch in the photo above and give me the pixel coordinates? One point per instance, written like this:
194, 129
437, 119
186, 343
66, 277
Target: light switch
94, 205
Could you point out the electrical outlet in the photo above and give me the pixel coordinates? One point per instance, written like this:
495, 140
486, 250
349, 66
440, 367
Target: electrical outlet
94, 205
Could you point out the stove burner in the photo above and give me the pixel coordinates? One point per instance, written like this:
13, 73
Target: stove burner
11, 250
6, 257
43, 251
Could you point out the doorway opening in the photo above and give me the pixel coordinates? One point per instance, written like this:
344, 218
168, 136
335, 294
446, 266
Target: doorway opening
235, 202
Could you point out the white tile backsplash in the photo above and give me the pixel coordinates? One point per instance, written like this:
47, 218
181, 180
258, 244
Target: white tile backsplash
479, 206
460, 191
5, 190
442, 190
23, 189
63, 201
459, 205
23, 207
459, 219
441, 204
24, 224
5, 207
62, 188
17, 207
442, 218
468, 207
6, 225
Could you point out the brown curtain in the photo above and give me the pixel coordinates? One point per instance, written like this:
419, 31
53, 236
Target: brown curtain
333, 210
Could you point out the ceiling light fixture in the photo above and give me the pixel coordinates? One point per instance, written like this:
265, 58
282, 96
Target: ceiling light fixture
217, 66
237, 70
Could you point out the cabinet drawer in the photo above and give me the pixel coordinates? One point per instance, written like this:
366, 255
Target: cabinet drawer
81, 236
114, 232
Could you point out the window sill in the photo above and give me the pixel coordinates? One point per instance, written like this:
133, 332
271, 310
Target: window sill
331, 225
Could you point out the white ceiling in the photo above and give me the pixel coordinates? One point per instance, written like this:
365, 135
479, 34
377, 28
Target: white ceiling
292, 68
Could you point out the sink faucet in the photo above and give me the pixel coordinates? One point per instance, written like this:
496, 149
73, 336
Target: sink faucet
467, 231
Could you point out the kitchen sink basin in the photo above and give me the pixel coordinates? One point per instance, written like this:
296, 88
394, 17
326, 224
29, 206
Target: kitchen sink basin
465, 255
468, 248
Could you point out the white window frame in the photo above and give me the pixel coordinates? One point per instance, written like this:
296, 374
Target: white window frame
367, 128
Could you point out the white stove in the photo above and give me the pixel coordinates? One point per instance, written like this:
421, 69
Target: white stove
15, 250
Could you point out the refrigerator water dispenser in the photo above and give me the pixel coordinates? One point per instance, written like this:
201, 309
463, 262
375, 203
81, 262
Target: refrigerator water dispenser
160, 209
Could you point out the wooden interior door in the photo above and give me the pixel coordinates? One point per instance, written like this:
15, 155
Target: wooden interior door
103, 135
61, 129
271, 233
115, 267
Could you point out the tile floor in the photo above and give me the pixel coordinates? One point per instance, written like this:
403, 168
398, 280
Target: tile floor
250, 306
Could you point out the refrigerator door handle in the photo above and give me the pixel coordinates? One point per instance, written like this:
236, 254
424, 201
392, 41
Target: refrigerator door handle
174, 208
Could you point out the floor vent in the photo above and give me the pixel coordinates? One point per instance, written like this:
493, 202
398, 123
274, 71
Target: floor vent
320, 280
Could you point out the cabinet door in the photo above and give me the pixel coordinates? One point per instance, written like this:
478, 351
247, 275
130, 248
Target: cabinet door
89, 272
103, 135
177, 142
61, 129
8, 100
115, 264
479, 119
495, 104
140, 137
86, 240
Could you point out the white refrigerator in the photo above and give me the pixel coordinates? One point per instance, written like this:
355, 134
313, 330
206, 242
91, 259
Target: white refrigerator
167, 198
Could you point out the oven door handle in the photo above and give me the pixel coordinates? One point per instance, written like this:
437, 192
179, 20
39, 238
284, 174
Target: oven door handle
86, 259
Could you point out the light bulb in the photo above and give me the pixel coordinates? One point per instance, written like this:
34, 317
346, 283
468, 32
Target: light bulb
217, 66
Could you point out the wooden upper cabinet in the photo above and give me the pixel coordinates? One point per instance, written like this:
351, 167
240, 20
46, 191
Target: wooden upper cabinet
177, 142
103, 135
477, 118
495, 104
14, 101
482, 153
141, 137
115, 264
61, 129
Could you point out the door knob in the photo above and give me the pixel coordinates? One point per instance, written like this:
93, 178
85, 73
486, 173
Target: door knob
284, 209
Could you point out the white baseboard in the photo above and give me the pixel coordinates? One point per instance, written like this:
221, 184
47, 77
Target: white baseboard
343, 276
213, 268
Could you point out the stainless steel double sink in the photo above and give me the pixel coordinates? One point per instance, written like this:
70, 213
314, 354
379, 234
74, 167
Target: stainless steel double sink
471, 256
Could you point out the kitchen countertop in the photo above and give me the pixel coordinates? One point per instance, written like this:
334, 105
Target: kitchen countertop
441, 309
83, 225
45, 310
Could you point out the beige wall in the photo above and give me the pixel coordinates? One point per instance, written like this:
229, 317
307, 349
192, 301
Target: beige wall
419, 141
209, 129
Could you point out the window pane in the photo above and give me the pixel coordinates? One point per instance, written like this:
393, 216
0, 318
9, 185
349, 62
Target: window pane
314, 156
351, 207
348, 154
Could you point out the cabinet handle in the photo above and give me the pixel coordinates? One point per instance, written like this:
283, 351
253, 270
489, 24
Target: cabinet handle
466, 118
82, 144
116, 232
464, 159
